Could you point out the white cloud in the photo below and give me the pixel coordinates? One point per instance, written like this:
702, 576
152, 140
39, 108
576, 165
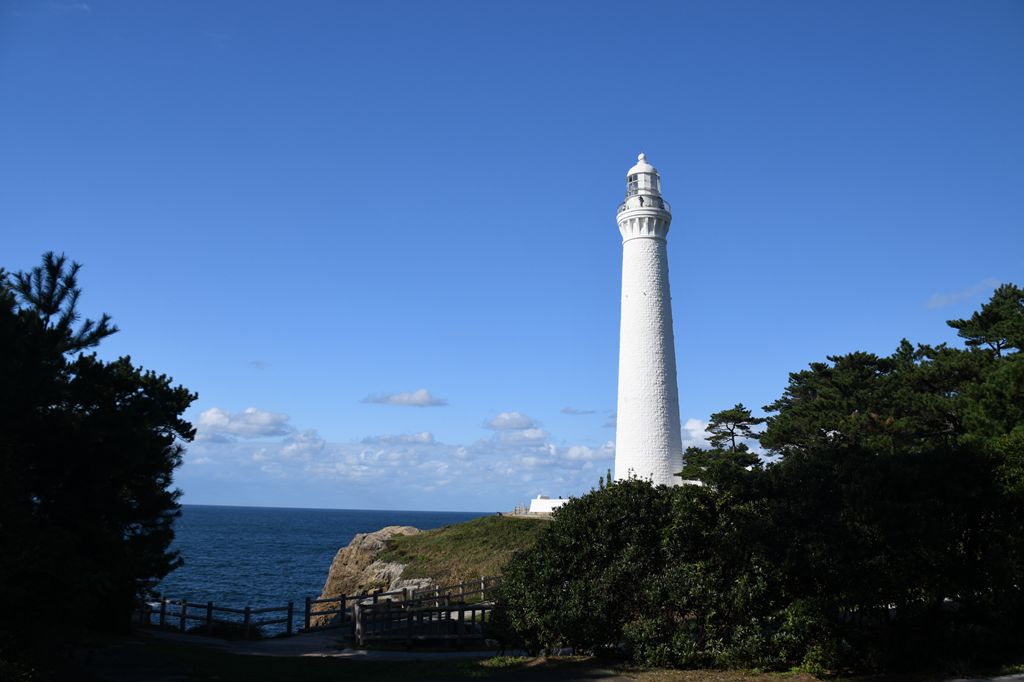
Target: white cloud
510, 420
695, 433
574, 410
516, 436
423, 437
303, 446
532, 461
218, 424
418, 398
943, 300
583, 453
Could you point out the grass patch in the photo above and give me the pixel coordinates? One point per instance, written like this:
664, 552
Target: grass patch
464, 551
504, 661
713, 676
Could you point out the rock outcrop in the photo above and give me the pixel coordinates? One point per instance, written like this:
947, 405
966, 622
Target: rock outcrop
356, 570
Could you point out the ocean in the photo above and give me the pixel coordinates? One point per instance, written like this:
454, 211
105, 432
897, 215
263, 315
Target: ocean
265, 556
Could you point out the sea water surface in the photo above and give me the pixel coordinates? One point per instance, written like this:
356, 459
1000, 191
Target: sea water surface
265, 556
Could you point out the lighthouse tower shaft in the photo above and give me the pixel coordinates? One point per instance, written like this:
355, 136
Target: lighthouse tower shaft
648, 442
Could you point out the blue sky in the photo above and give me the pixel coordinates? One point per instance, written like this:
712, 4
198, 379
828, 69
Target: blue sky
379, 239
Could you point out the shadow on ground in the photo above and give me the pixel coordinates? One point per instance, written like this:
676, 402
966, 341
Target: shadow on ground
146, 659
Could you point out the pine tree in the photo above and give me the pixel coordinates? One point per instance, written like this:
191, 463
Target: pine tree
87, 453
999, 324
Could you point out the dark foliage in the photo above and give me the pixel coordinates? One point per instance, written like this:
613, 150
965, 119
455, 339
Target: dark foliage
884, 534
729, 461
999, 324
87, 451
579, 586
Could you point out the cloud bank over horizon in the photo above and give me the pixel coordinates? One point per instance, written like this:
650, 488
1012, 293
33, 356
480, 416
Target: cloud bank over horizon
517, 460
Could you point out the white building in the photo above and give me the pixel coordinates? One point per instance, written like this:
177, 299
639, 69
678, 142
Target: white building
648, 443
542, 504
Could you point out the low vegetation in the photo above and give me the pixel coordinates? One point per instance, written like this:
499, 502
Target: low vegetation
464, 551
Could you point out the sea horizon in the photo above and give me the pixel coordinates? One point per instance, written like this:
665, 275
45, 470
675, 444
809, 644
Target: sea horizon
355, 509
239, 556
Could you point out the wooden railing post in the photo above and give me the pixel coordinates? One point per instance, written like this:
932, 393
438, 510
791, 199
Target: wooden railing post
163, 612
409, 617
291, 613
246, 623
309, 613
483, 588
209, 617
462, 591
184, 609
357, 619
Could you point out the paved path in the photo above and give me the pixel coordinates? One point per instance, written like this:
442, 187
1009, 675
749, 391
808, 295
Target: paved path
322, 644
130, 659
328, 644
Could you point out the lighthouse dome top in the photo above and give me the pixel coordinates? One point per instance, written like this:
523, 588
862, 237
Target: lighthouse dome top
643, 189
642, 166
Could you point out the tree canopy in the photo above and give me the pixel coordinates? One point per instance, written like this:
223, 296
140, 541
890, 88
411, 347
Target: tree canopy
87, 453
999, 324
881, 531
729, 458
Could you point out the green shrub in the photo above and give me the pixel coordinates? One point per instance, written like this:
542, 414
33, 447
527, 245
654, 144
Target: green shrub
579, 585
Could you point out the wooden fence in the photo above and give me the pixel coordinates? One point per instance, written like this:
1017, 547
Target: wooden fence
398, 621
435, 612
451, 612
342, 607
471, 590
176, 614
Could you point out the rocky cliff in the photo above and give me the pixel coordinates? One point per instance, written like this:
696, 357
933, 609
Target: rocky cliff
356, 569
397, 557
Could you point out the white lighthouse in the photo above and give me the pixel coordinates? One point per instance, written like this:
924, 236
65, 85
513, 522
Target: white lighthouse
647, 438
